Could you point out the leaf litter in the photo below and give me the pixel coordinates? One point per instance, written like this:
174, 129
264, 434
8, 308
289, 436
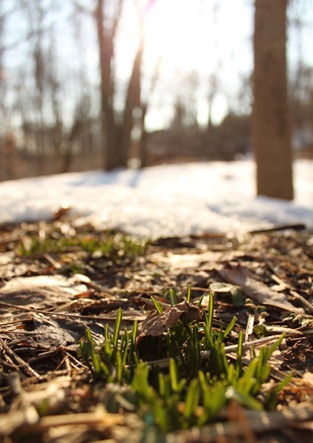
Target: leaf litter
50, 294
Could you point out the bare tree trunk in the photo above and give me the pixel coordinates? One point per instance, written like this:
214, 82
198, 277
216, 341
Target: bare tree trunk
115, 134
106, 52
131, 104
143, 148
143, 151
2, 105
271, 125
35, 14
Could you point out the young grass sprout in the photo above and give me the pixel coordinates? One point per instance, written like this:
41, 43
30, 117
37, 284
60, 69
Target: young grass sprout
199, 378
116, 246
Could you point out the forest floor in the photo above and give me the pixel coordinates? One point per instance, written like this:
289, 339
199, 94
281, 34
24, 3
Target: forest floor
57, 279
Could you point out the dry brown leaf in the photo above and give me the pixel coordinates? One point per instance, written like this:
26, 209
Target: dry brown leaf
255, 289
40, 291
155, 324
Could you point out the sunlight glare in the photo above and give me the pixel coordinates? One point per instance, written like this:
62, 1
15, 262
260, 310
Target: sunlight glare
173, 30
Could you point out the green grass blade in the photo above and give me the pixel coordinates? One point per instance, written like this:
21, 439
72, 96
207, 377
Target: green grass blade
209, 317
134, 331
188, 296
229, 327
157, 305
192, 399
173, 297
173, 375
117, 327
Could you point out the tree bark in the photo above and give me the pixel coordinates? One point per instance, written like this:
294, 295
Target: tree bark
132, 102
116, 135
107, 118
271, 125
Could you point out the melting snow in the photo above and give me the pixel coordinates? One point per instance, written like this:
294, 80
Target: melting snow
162, 200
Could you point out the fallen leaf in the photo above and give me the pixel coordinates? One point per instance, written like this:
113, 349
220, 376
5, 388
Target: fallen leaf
40, 291
155, 324
255, 289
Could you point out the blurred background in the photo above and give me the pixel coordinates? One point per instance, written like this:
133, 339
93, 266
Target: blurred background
100, 84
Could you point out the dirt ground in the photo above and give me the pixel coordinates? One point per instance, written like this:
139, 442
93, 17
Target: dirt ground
50, 296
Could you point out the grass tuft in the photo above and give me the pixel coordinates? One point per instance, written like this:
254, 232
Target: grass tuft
198, 379
113, 246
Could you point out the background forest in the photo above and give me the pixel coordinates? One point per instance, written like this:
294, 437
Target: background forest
109, 83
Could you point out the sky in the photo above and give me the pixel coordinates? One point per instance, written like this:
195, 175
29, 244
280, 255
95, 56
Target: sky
204, 36
159, 201
212, 38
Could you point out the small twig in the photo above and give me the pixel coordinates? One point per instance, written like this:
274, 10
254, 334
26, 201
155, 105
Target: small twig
304, 302
295, 294
249, 327
294, 227
52, 261
78, 365
98, 417
109, 317
20, 362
